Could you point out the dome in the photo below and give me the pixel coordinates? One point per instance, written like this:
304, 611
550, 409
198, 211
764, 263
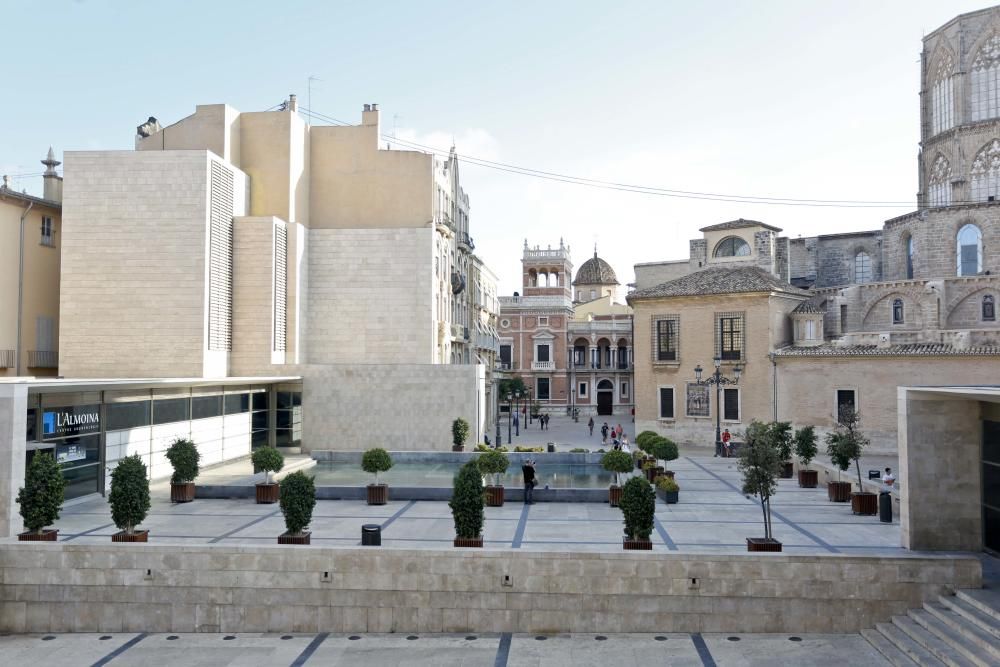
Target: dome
595, 271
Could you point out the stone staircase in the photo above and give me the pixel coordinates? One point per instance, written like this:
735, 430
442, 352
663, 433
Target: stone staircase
958, 630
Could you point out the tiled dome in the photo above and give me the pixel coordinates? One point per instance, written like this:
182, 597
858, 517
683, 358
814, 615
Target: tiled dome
595, 271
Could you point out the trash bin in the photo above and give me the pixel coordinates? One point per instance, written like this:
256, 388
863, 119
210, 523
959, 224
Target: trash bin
371, 535
552, 448
874, 474
885, 507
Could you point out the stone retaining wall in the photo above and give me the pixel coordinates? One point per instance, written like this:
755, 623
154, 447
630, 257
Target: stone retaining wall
163, 588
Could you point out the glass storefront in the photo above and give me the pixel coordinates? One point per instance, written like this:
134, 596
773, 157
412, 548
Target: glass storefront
72, 434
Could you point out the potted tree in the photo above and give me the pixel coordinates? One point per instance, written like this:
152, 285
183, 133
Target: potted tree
377, 460
665, 449
667, 489
467, 506
184, 457
760, 465
459, 434
782, 436
40, 498
618, 462
267, 460
494, 463
638, 505
129, 499
298, 498
845, 445
805, 449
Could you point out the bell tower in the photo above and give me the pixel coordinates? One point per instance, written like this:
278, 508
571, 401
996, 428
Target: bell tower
546, 272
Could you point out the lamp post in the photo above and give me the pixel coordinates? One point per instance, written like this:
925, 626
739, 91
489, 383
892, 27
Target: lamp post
529, 405
718, 379
517, 421
509, 408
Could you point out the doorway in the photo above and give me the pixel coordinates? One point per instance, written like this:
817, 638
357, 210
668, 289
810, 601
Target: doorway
605, 397
991, 486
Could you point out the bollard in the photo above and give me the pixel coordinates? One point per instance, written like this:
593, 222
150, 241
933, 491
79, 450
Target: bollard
885, 507
371, 535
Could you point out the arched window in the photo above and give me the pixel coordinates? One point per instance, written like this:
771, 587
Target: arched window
943, 96
985, 172
989, 309
732, 246
909, 257
970, 251
985, 81
897, 311
862, 267
939, 182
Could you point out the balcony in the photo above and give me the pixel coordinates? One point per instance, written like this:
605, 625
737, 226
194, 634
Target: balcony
7, 359
43, 359
543, 365
465, 242
503, 366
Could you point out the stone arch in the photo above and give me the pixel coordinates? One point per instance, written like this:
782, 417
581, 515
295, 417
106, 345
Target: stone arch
940, 56
912, 300
605, 385
732, 246
532, 278
974, 292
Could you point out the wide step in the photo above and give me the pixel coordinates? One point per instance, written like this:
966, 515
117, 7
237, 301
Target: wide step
889, 651
961, 635
929, 640
913, 650
985, 600
975, 615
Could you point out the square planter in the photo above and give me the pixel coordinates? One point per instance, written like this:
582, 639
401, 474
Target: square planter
763, 544
669, 473
494, 496
650, 474
670, 497
182, 493
137, 536
638, 544
614, 495
838, 492
47, 535
267, 494
476, 542
808, 479
285, 538
864, 503
378, 494
787, 470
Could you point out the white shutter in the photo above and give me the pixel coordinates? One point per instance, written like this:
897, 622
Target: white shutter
280, 286
220, 299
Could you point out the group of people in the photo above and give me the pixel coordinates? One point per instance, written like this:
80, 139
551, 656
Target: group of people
618, 438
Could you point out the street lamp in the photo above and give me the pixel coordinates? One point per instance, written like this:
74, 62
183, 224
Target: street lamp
529, 405
718, 379
509, 399
517, 421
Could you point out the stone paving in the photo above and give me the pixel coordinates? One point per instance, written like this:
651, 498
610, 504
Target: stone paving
393, 650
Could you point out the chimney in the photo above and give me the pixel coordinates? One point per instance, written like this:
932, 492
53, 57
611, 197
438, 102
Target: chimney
52, 182
6, 182
370, 115
293, 103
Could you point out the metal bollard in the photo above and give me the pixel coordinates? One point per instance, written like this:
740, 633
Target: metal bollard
885, 507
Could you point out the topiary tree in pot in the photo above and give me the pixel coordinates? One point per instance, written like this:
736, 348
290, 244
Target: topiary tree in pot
129, 499
665, 449
494, 463
184, 457
668, 489
267, 460
459, 434
845, 445
638, 505
298, 498
805, 450
782, 436
40, 498
618, 462
760, 465
467, 506
640, 440
375, 461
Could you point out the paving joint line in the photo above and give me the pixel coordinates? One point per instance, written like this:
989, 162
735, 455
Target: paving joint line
522, 523
703, 652
87, 532
405, 508
664, 535
310, 649
503, 651
244, 527
121, 649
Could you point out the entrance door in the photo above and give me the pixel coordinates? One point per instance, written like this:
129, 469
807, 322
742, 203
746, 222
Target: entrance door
605, 397
991, 486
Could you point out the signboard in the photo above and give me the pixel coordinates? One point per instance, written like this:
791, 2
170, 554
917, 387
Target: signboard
75, 420
68, 453
698, 401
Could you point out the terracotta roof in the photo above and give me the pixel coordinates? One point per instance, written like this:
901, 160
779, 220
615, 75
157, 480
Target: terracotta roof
595, 271
907, 350
719, 280
809, 306
737, 224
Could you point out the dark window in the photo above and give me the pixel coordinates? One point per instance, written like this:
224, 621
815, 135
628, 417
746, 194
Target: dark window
543, 389
258, 439
31, 432
237, 403
897, 311
258, 421
288, 399
583, 388
732, 246
169, 410
203, 407
260, 400
843, 318
731, 404
505, 355
579, 356
847, 403
989, 309
47, 231
731, 338
543, 353
909, 258
127, 415
666, 340
666, 402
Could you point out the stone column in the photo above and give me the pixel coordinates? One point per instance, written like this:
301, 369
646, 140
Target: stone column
13, 422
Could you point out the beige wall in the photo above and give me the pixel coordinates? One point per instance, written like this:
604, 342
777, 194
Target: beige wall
253, 296
213, 127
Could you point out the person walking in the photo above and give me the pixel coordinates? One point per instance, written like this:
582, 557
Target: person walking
546, 422
726, 437
590, 425
604, 433
888, 481
528, 472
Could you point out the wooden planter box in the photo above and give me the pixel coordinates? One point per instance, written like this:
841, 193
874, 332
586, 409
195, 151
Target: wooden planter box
137, 536
378, 494
787, 470
614, 495
808, 479
864, 503
458, 448
839, 492
267, 494
494, 496
637, 544
285, 538
476, 542
763, 544
182, 493
47, 535
651, 474
669, 473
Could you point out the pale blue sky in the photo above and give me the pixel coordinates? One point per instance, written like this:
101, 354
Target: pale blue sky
782, 98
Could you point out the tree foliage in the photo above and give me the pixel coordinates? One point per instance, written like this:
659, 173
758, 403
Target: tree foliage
847, 442
184, 457
663, 449
43, 492
267, 460
493, 463
782, 437
805, 444
760, 465
129, 497
376, 460
467, 501
618, 462
638, 503
459, 432
640, 440
297, 500
511, 387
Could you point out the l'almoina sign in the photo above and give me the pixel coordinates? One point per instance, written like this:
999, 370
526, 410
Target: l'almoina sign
76, 420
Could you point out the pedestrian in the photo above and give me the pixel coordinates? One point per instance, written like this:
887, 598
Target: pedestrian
620, 430
604, 433
888, 481
590, 425
726, 437
625, 447
546, 422
528, 472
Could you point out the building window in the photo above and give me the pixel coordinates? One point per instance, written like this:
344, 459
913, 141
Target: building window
862, 267
943, 96
666, 402
909, 257
732, 246
47, 232
665, 337
542, 352
624, 392
731, 404
170, 410
939, 183
542, 389
846, 404
583, 389
989, 309
970, 251
505, 324
505, 356
810, 329
543, 321
984, 175
985, 81
729, 328
593, 295
897, 311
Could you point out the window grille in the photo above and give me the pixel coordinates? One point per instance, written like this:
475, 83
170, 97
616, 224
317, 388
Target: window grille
729, 338
665, 338
732, 246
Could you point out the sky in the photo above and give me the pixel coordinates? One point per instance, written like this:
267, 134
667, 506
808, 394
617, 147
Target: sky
781, 98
